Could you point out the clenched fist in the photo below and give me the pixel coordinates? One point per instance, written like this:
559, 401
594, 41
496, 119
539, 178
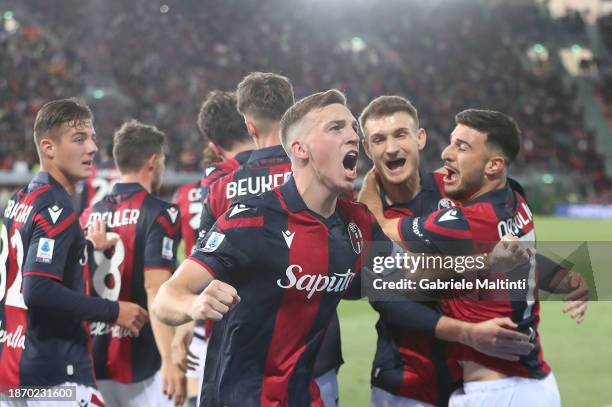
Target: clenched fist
214, 302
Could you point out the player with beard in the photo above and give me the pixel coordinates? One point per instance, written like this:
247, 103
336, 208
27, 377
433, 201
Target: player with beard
410, 366
136, 370
482, 146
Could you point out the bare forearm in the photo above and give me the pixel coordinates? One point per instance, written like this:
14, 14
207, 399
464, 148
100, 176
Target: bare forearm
162, 333
171, 304
452, 330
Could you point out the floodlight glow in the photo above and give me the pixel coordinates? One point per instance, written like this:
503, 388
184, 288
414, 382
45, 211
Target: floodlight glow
576, 48
548, 178
8, 15
539, 48
98, 94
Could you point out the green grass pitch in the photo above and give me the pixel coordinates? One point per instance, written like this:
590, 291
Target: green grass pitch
580, 355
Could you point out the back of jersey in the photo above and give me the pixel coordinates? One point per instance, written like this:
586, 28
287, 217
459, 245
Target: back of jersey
148, 231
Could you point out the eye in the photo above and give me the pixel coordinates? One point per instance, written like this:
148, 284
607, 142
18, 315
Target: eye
401, 135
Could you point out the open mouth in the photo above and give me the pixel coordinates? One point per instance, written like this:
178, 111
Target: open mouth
451, 174
350, 160
395, 164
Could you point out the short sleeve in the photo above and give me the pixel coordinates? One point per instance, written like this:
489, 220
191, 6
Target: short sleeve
162, 240
444, 231
228, 247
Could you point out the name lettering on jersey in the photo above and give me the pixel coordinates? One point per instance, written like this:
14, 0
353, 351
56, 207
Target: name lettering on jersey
356, 237
237, 209
312, 283
44, 253
415, 227
517, 223
255, 185
15, 339
288, 236
115, 219
214, 241
450, 215
18, 212
167, 245
55, 212
103, 328
173, 213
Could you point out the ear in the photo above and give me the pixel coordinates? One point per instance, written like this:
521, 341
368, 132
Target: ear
47, 148
251, 128
366, 147
421, 139
495, 166
299, 150
152, 162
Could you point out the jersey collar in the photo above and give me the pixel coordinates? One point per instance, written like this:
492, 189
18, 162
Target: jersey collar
243, 156
268, 152
121, 188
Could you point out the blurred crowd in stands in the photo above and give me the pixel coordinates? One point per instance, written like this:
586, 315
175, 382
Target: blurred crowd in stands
160, 59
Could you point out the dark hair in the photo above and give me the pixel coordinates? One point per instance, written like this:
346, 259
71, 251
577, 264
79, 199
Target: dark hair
306, 105
57, 112
387, 106
219, 120
501, 130
264, 95
134, 143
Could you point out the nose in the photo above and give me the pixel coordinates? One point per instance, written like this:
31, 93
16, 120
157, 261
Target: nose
353, 138
391, 146
447, 153
92, 147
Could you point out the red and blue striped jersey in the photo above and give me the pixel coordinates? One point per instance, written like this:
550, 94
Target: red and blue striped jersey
99, 184
291, 267
409, 363
41, 237
266, 168
148, 232
474, 228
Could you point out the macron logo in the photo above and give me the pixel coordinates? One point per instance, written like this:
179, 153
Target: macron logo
450, 215
209, 171
238, 209
173, 213
288, 237
55, 212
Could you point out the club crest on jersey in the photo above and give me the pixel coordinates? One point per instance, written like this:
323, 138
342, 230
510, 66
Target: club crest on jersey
44, 253
167, 246
55, 212
445, 203
356, 237
214, 241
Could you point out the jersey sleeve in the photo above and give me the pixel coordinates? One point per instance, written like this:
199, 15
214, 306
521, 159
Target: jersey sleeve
227, 249
445, 231
162, 240
54, 230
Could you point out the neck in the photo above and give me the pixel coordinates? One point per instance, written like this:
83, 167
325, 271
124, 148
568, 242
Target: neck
138, 178
489, 186
316, 196
268, 138
61, 178
237, 148
405, 192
